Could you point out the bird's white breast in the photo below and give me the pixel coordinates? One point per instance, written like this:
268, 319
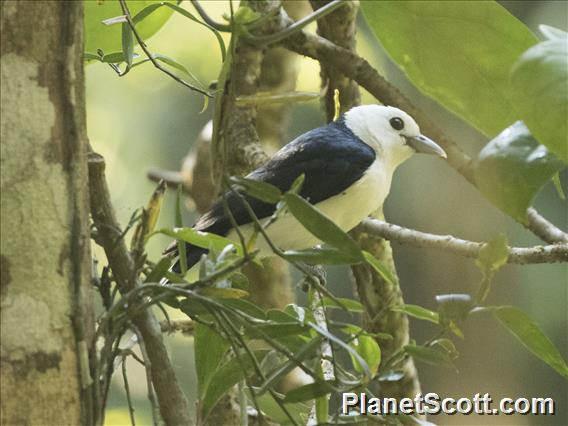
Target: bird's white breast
346, 209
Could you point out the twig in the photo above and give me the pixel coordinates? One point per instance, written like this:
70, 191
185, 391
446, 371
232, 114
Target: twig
127, 391
358, 69
519, 255
208, 20
173, 404
151, 58
297, 26
148, 370
543, 229
186, 327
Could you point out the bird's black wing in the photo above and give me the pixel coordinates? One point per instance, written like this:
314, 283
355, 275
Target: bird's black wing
332, 158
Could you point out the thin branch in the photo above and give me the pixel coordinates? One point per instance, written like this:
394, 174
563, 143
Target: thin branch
151, 58
519, 255
208, 20
173, 404
543, 229
148, 370
295, 27
358, 69
127, 391
186, 327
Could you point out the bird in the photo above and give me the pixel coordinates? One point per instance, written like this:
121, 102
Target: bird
348, 166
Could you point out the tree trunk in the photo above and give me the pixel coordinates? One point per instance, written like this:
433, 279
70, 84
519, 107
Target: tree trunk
46, 314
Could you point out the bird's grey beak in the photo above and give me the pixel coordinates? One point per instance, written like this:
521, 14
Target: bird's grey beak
424, 145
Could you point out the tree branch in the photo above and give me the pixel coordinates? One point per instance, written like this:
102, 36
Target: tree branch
358, 69
519, 255
173, 404
151, 57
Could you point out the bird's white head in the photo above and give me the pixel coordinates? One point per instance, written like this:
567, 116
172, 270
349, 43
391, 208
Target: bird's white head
391, 132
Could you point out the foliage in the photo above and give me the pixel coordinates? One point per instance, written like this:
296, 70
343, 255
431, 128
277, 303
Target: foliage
540, 84
459, 53
474, 66
512, 168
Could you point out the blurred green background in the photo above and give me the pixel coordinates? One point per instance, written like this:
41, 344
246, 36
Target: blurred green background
147, 120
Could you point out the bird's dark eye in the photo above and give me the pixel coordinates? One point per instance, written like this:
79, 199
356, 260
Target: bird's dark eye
397, 123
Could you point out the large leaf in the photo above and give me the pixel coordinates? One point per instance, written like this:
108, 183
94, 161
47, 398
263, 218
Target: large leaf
531, 336
199, 238
429, 355
108, 38
210, 349
310, 391
460, 53
223, 379
368, 348
417, 312
321, 256
260, 190
540, 80
512, 168
321, 226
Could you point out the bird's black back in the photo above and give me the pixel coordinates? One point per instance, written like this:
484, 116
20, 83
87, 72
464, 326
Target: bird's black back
331, 157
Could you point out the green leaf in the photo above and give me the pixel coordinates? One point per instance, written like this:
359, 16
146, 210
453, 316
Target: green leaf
245, 307
260, 190
200, 239
108, 38
223, 293
115, 57
223, 379
459, 53
512, 168
321, 256
306, 351
417, 312
540, 80
298, 184
321, 226
531, 336
127, 45
210, 349
309, 391
351, 351
350, 304
144, 13
370, 351
91, 57
428, 355
558, 186
299, 410
245, 15
159, 271
174, 64
448, 346
378, 266
494, 254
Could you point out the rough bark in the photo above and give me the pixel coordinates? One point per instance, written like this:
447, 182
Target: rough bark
243, 152
46, 315
340, 28
377, 295
374, 292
